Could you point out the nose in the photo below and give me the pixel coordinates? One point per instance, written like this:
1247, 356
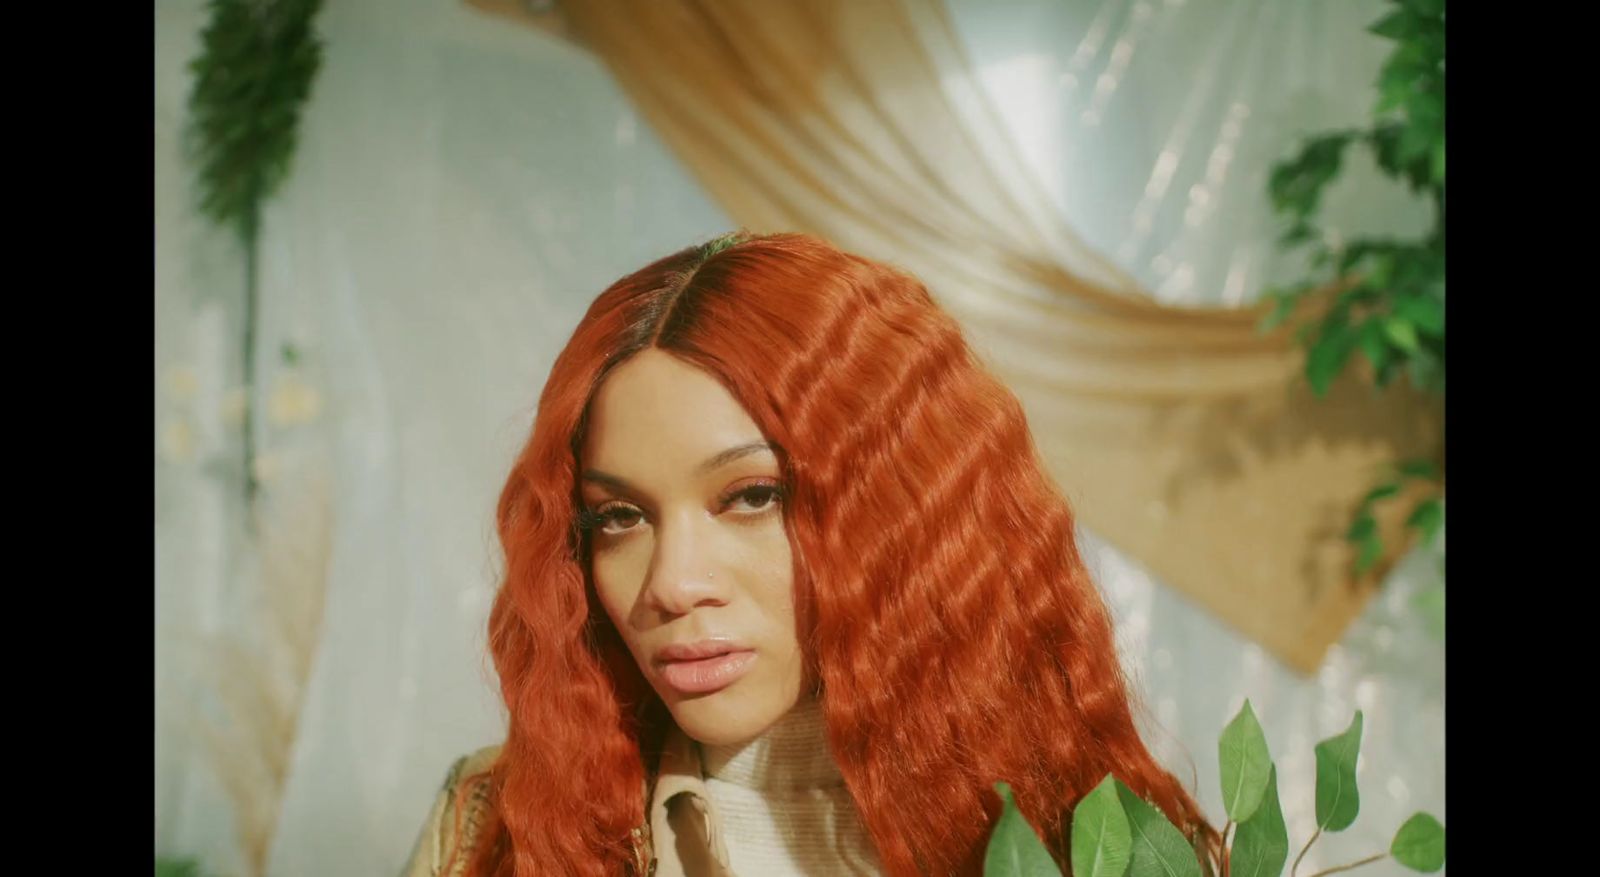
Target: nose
682, 573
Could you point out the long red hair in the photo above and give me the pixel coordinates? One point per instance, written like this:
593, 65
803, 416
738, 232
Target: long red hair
943, 606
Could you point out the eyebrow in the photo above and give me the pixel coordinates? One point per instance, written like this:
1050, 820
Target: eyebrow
710, 464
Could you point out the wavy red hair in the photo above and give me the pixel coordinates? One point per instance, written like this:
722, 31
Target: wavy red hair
943, 606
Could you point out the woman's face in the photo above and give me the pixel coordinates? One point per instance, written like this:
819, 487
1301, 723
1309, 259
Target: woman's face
689, 553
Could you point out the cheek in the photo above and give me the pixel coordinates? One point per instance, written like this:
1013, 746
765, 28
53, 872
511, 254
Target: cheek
618, 576
769, 568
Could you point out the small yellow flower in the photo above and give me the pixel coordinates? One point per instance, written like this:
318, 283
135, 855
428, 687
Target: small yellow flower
293, 402
177, 441
182, 383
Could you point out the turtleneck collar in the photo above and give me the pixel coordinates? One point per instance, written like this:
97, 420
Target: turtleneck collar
778, 804
792, 755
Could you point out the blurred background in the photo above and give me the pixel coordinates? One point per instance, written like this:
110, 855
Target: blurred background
1114, 197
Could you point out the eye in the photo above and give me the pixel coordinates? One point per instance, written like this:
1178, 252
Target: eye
755, 498
612, 519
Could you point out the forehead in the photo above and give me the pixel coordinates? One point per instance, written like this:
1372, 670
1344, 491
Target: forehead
658, 409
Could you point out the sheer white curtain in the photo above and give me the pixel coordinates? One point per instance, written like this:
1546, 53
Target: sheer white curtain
462, 194
1154, 126
462, 191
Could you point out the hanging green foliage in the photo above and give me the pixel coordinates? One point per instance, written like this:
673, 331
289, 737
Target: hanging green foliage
1390, 309
251, 81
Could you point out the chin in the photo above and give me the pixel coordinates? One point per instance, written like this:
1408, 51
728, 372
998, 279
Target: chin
722, 719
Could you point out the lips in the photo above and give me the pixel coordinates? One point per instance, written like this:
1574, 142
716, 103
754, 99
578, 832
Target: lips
703, 667
696, 651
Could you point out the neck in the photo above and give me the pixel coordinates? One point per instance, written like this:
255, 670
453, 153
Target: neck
790, 755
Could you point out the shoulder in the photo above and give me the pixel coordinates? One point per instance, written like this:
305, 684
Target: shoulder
460, 809
472, 764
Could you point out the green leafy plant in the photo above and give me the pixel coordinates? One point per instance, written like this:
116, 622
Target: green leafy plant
169, 867
1389, 302
1116, 833
252, 78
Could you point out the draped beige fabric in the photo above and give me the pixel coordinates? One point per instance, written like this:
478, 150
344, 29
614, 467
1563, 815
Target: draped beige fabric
1180, 434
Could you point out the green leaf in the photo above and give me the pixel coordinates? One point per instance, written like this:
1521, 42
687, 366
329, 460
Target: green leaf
1382, 491
1425, 110
1261, 845
1419, 844
1159, 848
1246, 764
1296, 185
1416, 143
177, 868
1438, 162
1282, 306
1363, 526
1328, 356
1396, 25
1355, 251
1424, 469
1407, 72
1386, 373
1380, 269
1426, 8
1102, 839
1371, 553
1014, 849
1411, 271
1425, 374
1423, 311
1361, 293
1374, 345
1426, 518
1298, 233
1392, 93
1385, 143
1338, 799
1402, 333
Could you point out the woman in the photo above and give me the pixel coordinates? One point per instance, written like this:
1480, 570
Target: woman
787, 591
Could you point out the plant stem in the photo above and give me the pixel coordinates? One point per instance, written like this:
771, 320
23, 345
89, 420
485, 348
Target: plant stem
249, 233
1227, 857
1314, 836
1367, 861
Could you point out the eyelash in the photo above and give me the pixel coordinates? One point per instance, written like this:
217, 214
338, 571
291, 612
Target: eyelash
593, 520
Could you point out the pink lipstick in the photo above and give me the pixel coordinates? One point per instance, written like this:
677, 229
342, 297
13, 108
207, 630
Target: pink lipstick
703, 667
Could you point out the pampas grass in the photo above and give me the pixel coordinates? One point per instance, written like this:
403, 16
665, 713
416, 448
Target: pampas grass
257, 675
